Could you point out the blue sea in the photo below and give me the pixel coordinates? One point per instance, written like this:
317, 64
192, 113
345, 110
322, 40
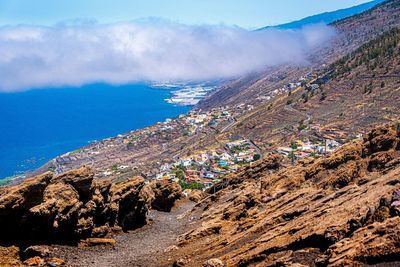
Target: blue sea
38, 125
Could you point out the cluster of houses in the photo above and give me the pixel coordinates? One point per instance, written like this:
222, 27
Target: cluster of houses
208, 167
309, 148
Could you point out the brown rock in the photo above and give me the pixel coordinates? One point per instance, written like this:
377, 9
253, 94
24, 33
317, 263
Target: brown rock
35, 261
55, 262
180, 262
94, 242
35, 251
80, 179
337, 211
128, 204
9, 256
206, 229
70, 207
15, 203
213, 263
57, 216
166, 193
196, 195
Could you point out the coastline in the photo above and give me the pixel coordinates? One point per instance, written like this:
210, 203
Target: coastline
179, 95
186, 94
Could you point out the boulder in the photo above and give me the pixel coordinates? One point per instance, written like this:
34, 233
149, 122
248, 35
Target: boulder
166, 193
80, 179
70, 207
15, 203
395, 205
9, 256
55, 262
195, 195
35, 251
213, 263
94, 242
57, 215
34, 261
128, 203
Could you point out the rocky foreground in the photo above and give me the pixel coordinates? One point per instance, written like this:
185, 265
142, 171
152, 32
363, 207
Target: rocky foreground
342, 210
73, 208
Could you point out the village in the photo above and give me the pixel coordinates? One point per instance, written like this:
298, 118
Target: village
206, 166
203, 169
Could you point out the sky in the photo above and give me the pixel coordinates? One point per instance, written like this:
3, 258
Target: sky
249, 14
56, 43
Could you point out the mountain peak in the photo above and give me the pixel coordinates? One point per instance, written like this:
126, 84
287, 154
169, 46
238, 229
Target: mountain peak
327, 17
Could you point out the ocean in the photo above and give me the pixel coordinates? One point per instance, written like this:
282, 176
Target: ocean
40, 124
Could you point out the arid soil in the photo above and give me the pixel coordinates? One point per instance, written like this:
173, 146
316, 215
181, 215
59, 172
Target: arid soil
343, 210
147, 246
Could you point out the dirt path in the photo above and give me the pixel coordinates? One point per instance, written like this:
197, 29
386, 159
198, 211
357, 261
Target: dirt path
143, 247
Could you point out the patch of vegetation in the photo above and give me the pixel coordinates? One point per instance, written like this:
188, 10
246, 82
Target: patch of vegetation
301, 126
114, 167
77, 151
372, 54
190, 185
256, 157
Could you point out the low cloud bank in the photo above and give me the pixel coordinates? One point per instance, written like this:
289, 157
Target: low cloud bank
34, 57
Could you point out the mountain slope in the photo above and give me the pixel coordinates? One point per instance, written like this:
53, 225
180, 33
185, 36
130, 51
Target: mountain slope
327, 17
351, 33
342, 210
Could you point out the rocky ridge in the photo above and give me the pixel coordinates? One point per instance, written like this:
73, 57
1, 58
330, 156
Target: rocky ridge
342, 210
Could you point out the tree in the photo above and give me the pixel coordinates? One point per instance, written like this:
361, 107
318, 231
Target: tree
323, 96
292, 156
304, 96
256, 157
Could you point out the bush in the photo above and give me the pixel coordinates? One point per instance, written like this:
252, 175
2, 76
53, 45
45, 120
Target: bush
323, 96
191, 185
256, 157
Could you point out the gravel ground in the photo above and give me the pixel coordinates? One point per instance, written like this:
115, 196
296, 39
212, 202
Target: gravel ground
143, 247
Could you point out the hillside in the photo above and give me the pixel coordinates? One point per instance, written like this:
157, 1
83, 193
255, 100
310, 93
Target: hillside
362, 91
352, 32
342, 210
327, 17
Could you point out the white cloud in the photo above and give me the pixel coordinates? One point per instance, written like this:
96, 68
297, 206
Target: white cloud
33, 57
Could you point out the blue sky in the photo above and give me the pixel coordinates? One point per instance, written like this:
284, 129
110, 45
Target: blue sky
245, 13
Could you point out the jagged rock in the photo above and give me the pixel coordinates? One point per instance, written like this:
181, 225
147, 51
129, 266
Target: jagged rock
94, 242
171, 248
340, 210
35, 251
55, 262
180, 262
9, 256
80, 180
101, 231
34, 261
166, 193
395, 205
213, 263
15, 203
206, 229
128, 203
194, 195
70, 207
368, 245
57, 215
